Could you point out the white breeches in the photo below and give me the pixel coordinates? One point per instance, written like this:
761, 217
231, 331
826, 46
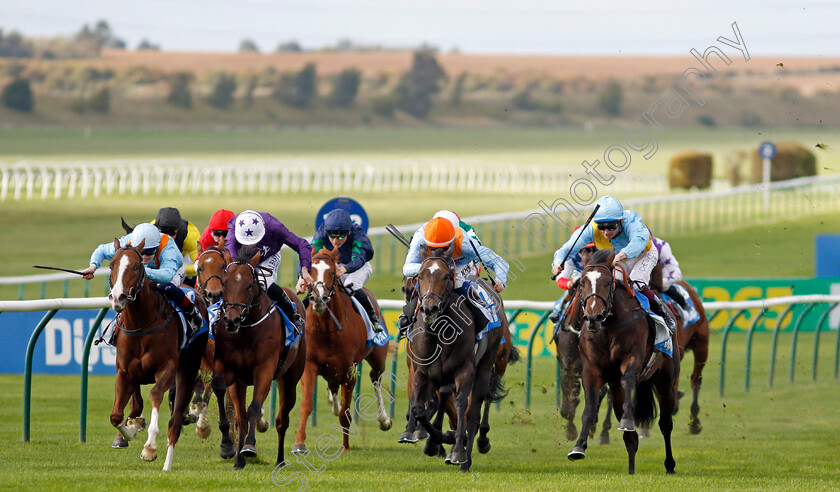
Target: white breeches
639, 267
356, 280
271, 264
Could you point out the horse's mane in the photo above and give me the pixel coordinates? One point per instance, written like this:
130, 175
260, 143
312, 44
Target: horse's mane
439, 252
245, 254
600, 256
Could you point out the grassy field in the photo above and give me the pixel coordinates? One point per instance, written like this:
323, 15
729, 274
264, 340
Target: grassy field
775, 438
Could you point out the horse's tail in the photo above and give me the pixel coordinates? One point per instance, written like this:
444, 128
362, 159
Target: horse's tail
514, 355
644, 405
497, 388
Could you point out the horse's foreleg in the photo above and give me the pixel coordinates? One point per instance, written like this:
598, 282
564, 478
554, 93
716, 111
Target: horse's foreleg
238, 393
604, 438
628, 384
382, 415
122, 393
484, 428
307, 385
287, 392
464, 384
701, 353
226, 450
570, 387
188, 363
667, 401
592, 383
164, 380
344, 417
202, 427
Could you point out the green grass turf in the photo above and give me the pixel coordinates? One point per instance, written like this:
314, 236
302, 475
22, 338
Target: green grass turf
778, 438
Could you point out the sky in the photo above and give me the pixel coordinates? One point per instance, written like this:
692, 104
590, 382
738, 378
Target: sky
642, 27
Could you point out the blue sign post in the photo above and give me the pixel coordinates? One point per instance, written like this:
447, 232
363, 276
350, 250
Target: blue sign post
767, 151
356, 211
827, 255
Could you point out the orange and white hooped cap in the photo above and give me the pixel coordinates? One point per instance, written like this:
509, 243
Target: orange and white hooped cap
438, 233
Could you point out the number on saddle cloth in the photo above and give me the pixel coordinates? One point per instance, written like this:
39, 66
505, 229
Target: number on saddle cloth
477, 294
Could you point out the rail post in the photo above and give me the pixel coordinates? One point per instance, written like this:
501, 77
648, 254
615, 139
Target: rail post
723, 348
27, 374
531, 339
85, 362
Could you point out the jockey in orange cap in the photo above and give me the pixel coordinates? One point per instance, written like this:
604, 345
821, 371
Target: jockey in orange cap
441, 232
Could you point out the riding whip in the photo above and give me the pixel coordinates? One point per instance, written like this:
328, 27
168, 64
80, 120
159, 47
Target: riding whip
59, 269
585, 225
398, 235
332, 315
492, 280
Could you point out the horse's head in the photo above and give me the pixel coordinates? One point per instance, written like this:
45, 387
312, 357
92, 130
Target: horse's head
436, 280
241, 287
325, 281
409, 283
210, 272
597, 286
128, 275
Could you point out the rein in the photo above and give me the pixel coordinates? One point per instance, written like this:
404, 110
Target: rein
609, 299
132, 294
443, 300
198, 282
245, 307
326, 300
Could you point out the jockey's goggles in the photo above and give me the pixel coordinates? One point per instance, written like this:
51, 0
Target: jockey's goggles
149, 251
338, 234
608, 226
218, 233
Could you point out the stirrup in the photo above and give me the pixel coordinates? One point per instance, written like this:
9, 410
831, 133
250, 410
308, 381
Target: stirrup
377, 325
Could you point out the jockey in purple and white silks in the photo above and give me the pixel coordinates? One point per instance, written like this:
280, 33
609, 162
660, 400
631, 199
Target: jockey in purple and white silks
267, 234
163, 262
671, 273
624, 232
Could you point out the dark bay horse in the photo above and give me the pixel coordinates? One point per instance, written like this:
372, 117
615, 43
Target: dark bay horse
694, 337
334, 350
616, 347
447, 359
148, 351
250, 350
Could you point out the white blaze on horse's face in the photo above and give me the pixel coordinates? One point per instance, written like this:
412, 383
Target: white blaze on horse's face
434, 268
593, 277
118, 290
322, 268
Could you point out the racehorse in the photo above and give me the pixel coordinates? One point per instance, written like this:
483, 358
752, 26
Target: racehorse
148, 351
694, 337
447, 358
336, 344
616, 347
568, 355
250, 350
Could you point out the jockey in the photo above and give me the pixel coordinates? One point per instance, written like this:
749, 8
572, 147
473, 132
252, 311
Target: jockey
268, 235
185, 234
623, 231
671, 273
163, 263
570, 275
441, 233
217, 228
355, 253
468, 231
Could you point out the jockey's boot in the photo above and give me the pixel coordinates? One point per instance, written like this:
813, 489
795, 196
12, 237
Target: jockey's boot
407, 316
659, 307
194, 319
675, 294
366, 303
479, 318
177, 296
278, 295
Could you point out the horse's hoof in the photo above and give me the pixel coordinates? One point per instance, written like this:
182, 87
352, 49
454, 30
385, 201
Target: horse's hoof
604, 439
227, 452
577, 453
644, 433
138, 423
680, 394
299, 448
694, 426
420, 435
407, 438
248, 451
203, 431
119, 442
433, 449
449, 437
262, 425
385, 424
149, 453
456, 458
571, 432
627, 425
483, 445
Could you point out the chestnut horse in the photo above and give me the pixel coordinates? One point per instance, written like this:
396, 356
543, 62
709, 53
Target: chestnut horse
694, 337
447, 358
616, 347
148, 351
250, 350
333, 351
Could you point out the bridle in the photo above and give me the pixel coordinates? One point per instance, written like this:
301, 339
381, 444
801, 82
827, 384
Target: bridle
336, 281
211, 277
245, 307
135, 289
450, 284
607, 311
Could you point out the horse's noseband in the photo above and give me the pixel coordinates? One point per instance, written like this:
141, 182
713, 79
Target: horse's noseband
323, 284
243, 307
607, 311
211, 277
450, 286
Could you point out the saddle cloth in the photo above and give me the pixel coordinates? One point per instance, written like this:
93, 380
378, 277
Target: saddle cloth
662, 337
291, 335
373, 339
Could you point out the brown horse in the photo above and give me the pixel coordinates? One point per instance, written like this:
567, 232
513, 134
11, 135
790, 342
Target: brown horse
447, 358
694, 337
336, 344
250, 350
568, 356
616, 347
148, 351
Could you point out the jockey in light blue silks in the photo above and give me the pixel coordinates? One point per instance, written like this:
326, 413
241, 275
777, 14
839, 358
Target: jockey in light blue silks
624, 232
163, 262
441, 233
